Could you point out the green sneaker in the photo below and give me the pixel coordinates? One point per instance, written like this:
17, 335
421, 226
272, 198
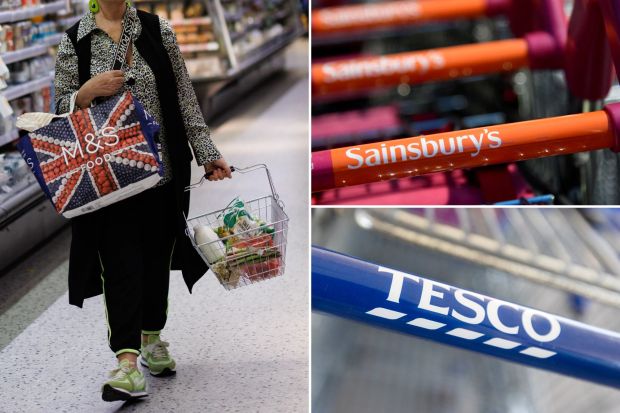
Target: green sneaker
155, 356
126, 383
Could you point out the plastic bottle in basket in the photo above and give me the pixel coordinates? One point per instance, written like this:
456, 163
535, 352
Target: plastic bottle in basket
209, 243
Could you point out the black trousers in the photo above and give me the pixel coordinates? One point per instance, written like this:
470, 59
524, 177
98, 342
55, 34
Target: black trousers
135, 242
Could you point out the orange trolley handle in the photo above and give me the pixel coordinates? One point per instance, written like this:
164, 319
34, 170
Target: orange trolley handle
468, 148
542, 49
357, 17
536, 50
523, 15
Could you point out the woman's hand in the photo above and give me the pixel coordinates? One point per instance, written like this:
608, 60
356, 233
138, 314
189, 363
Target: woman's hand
104, 84
220, 170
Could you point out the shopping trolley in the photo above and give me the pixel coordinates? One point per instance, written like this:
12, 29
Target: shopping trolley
587, 42
252, 251
542, 47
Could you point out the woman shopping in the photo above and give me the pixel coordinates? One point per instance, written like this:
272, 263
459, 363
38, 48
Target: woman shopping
127, 249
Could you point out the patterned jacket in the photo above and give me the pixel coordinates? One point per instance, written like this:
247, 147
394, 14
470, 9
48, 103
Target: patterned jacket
170, 80
102, 55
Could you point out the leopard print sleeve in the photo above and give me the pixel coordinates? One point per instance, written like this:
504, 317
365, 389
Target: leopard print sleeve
198, 132
66, 79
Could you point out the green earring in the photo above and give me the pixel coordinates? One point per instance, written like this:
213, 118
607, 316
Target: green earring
93, 5
128, 3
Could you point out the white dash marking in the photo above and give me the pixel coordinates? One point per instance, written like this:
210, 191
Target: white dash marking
426, 323
538, 352
386, 313
502, 343
464, 333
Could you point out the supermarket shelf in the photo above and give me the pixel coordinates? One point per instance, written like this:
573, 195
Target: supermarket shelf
199, 47
69, 21
8, 137
25, 53
266, 49
255, 56
30, 193
197, 21
32, 51
17, 91
25, 13
53, 39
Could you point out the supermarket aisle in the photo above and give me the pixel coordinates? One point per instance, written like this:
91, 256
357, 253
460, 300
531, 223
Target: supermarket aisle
244, 350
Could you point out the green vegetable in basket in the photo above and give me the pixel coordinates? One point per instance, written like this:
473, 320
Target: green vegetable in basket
222, 232
264, 227
253, 258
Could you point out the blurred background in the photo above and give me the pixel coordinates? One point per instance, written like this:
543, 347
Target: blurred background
358, 368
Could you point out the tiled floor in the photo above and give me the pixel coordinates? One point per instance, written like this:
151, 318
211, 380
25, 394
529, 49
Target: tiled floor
239, 351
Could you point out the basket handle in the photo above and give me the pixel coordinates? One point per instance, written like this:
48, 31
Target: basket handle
252, 168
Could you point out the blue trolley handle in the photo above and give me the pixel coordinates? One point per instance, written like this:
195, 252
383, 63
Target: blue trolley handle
351, 288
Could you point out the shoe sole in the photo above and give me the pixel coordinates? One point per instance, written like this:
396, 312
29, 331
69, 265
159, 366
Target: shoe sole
166, 372
111, 394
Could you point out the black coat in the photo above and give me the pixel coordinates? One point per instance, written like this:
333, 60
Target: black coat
84, 265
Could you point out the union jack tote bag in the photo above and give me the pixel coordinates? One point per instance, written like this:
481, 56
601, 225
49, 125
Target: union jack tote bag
96, 156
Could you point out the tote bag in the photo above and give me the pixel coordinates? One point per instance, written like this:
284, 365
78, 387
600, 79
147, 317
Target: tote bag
93, 157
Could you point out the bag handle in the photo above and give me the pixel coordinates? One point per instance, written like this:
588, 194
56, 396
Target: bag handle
122, 48
32, 121
72, 102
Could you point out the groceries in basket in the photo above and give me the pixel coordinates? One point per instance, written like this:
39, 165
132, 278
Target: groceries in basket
241, 248
246, 241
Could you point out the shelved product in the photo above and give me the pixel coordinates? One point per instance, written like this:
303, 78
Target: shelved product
29, 31
223, 53
14, 174
38, 49
221, 39
13, 11
28, 79
251, 24
195, 32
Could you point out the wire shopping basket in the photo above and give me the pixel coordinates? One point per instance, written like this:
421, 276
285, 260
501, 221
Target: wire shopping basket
245, 242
